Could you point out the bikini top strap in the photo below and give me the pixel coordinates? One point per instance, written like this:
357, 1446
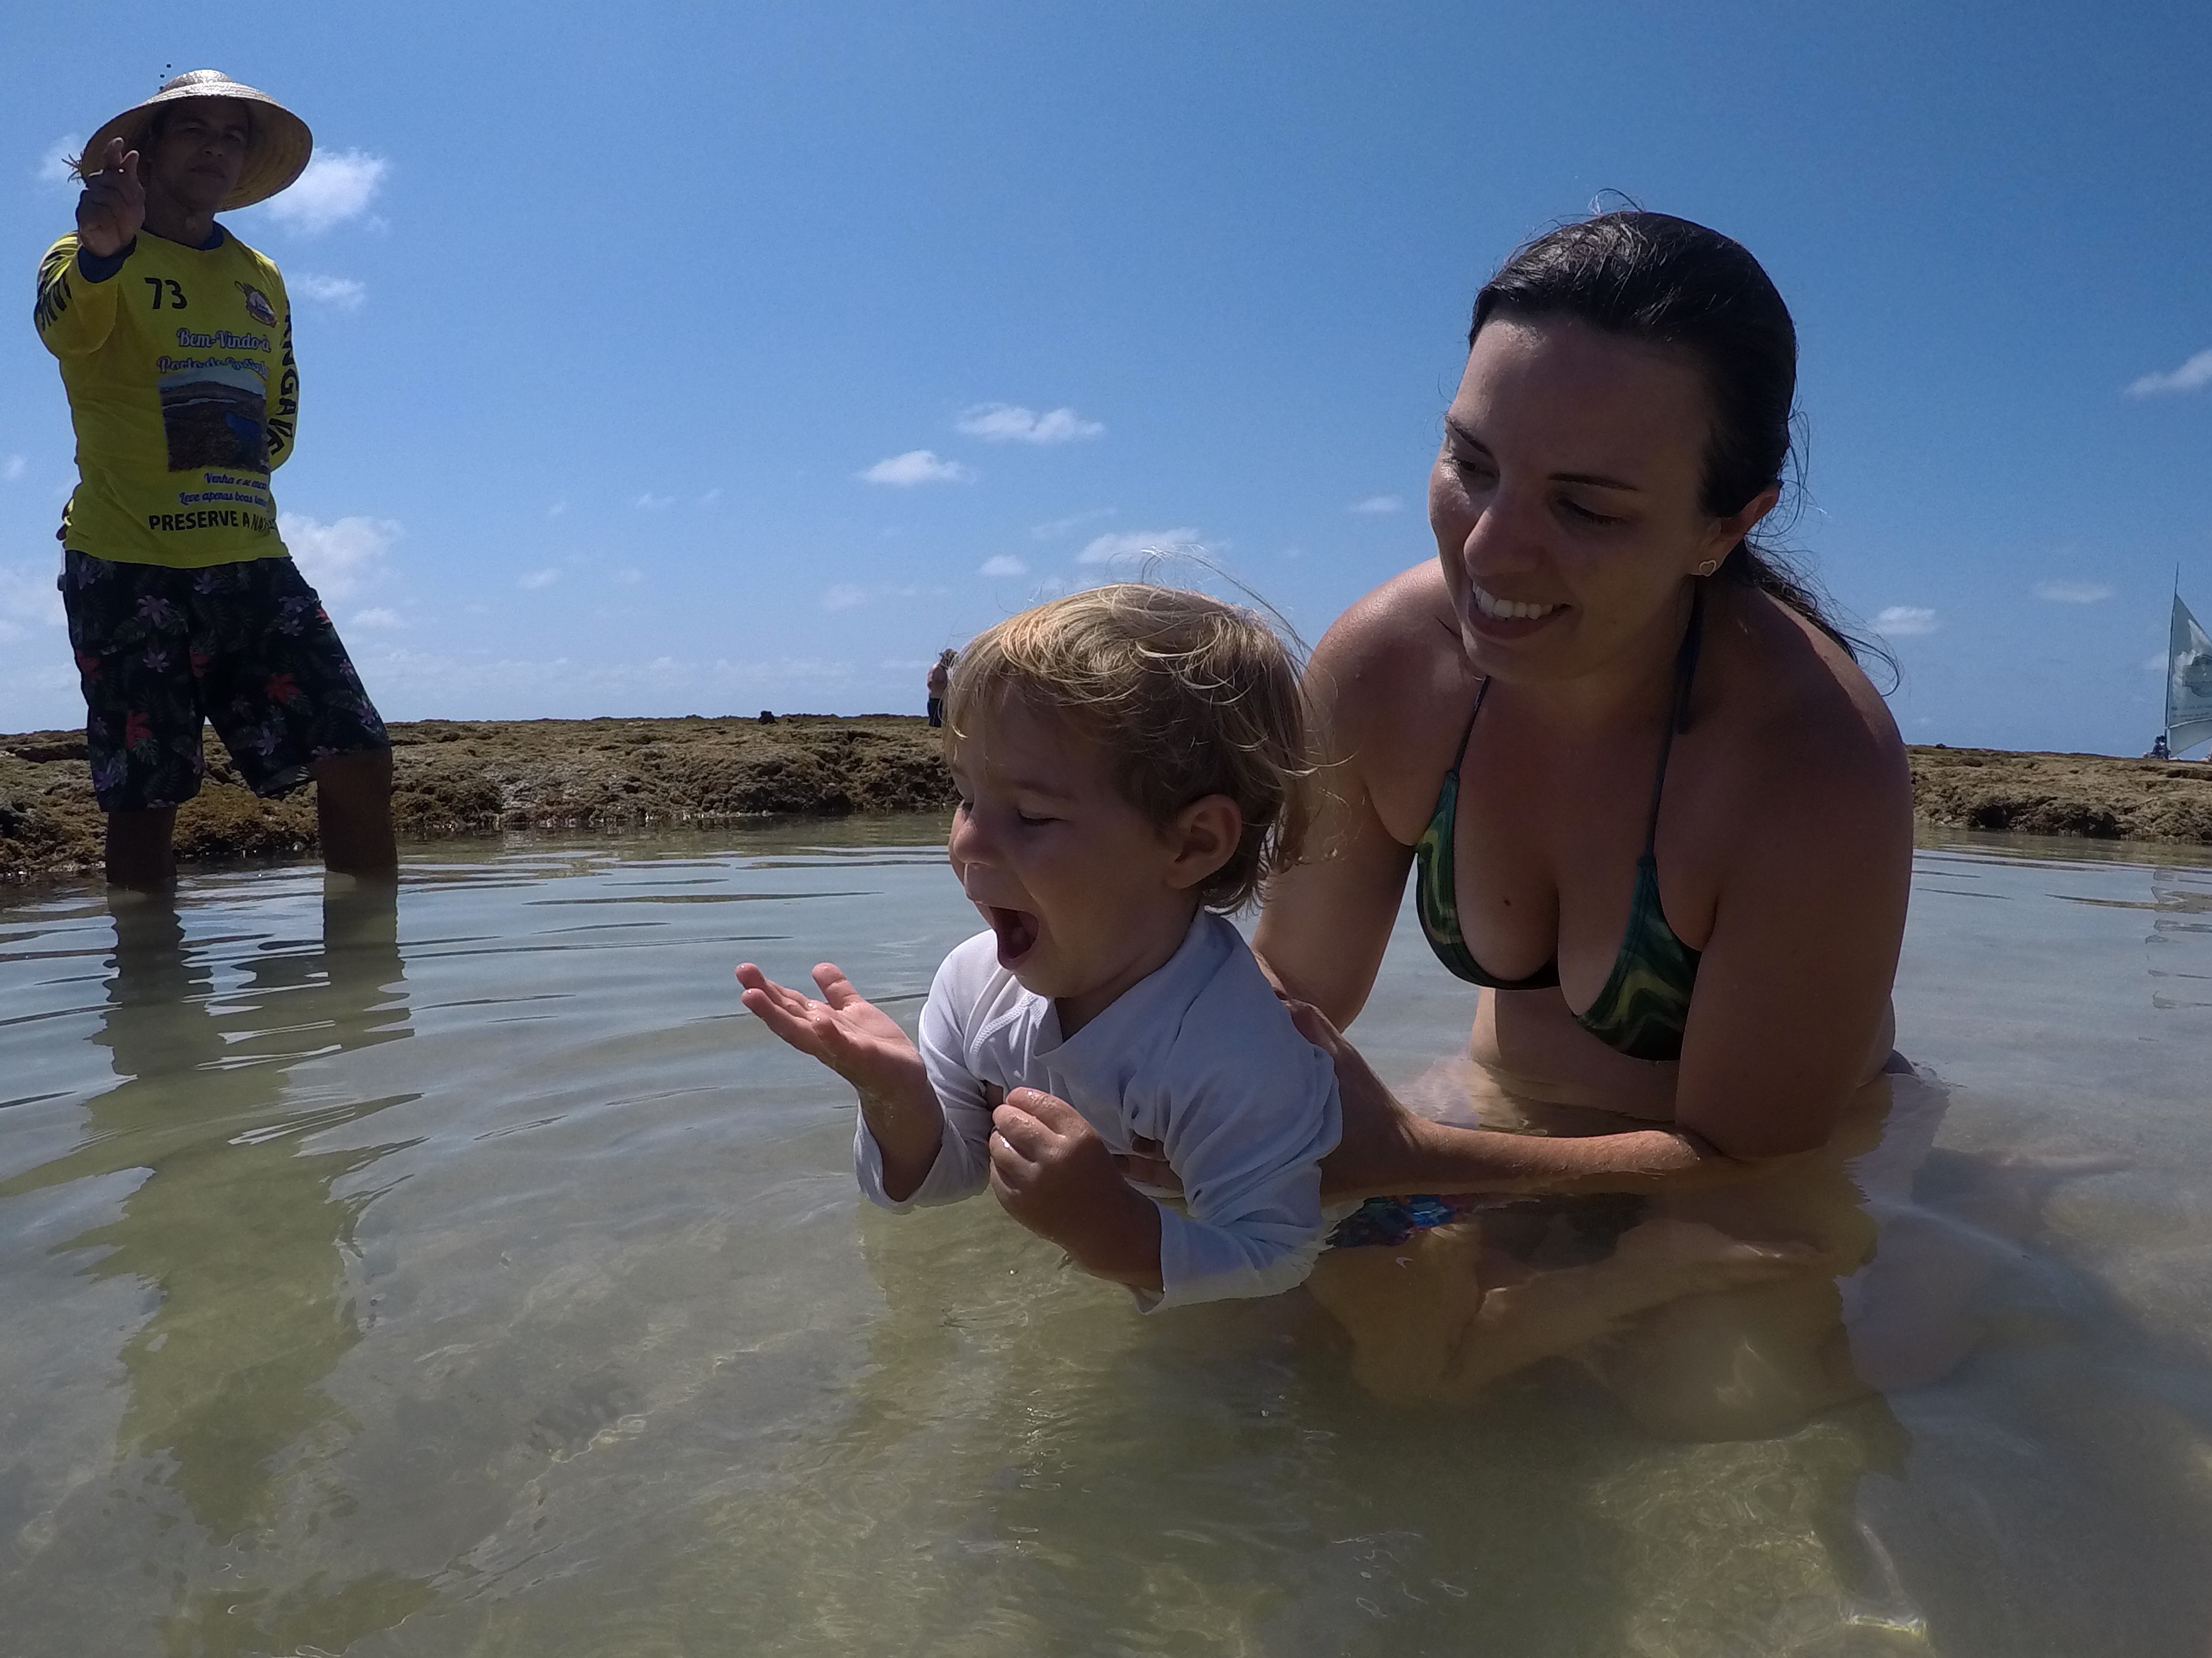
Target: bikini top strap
1467, 735
1677, 717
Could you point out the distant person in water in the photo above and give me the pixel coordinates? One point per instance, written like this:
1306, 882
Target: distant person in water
940, 678
1131, 765
175, 341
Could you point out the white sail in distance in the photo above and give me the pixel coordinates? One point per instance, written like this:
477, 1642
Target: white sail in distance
2188, 683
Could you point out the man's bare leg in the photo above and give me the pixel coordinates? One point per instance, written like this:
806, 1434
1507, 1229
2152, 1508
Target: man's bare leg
139, 858
353, 814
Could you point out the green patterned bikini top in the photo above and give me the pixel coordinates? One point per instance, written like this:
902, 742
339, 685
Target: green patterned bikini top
1646, 1003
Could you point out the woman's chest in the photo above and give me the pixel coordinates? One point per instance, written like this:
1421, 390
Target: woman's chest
1549, 861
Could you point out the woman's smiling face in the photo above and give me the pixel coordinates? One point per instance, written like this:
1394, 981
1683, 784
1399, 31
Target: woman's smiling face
1566, 501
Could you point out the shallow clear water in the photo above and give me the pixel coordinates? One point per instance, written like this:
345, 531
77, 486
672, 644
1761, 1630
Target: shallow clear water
494, 1284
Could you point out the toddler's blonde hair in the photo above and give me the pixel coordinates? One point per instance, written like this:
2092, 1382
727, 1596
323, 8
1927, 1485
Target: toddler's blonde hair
1186, 695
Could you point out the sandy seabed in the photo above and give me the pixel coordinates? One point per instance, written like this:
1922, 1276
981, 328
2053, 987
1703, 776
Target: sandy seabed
457, 777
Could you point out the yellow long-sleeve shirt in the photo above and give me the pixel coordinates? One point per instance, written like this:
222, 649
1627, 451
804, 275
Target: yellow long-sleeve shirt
184, 394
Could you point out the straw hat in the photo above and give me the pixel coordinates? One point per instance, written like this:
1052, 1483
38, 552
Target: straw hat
276, 153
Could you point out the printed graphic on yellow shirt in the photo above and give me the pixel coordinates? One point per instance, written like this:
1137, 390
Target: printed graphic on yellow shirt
184, 393
212, 409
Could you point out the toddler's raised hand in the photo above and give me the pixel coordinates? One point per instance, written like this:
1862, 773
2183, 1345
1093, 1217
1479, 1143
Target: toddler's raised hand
864, 1045
850, 1034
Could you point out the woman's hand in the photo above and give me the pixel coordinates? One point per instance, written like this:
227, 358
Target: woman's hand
1383, 1146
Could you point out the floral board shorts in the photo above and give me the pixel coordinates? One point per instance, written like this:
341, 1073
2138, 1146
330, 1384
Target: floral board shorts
246, 646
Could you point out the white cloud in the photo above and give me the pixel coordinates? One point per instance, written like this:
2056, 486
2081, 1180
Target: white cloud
339, 293
13, 467
338, 186
2156, 664
2073, 593
653, 503
1135, 544
556, 509
1904, 622
1061, 527
2192, 376
53, 166
916, 466
379, 617
629, 576
1378, 504
1007, 423
711, 496
844, 596
338, 558
537, 579
1003, 564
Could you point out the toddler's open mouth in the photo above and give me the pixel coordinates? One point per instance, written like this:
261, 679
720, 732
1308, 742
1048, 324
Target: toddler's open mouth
1017, 934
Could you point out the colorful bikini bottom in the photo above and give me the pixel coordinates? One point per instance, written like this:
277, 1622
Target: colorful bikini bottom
1594, 1222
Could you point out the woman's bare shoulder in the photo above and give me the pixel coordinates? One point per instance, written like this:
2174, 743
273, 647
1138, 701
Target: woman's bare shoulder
1396, 642
1810, 729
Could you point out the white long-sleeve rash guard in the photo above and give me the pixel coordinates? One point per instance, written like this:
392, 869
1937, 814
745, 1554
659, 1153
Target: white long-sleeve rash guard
1200, 1056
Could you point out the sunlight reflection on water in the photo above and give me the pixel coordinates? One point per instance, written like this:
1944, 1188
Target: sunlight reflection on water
483, 1279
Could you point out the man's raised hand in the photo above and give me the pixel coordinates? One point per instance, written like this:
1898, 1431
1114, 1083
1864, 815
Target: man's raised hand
113, 204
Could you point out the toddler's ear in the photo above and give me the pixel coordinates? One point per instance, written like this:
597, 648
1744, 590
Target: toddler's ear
1204, 836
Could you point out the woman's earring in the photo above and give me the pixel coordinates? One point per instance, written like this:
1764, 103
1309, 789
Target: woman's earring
1708, 567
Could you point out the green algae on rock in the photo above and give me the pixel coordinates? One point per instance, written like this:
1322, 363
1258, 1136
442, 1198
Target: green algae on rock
2088, 794
454, 777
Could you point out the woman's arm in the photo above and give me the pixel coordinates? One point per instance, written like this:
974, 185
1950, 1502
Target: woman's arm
1387, 1149
1322, 934
1792, 1007
1327, 922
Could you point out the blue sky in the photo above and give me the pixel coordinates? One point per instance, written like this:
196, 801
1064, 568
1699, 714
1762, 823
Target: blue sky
667, 359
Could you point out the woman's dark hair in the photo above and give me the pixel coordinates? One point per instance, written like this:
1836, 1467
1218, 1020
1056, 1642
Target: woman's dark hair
1651, 276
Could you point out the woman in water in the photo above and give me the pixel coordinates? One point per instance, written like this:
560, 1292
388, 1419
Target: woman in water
1658, 813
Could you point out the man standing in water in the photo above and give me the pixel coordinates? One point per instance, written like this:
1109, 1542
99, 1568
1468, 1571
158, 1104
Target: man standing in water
175, 341
939, 681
